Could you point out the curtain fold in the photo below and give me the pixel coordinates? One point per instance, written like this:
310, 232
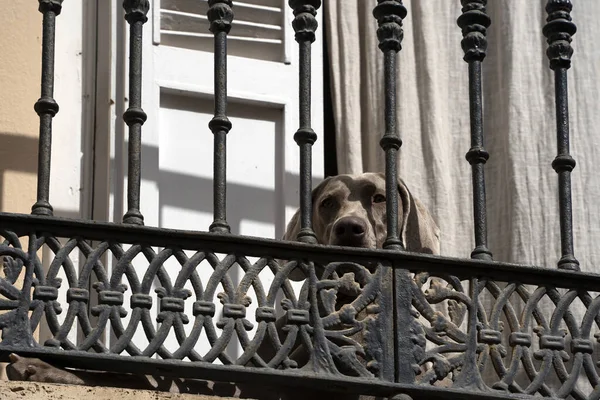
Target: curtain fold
433, 121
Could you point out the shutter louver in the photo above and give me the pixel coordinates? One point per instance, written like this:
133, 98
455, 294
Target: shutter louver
257, 30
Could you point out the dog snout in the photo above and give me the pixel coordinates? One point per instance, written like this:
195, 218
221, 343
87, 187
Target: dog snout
350, 231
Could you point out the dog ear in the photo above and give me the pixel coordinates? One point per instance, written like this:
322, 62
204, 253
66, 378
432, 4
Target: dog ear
418, 230
293, 227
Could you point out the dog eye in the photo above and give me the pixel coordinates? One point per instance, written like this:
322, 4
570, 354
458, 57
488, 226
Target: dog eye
379, 198
328, 203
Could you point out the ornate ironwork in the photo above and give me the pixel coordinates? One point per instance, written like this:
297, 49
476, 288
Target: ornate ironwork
220, 16
559, 31
377, 322
484, 329
305, 25
134, 116
474, 23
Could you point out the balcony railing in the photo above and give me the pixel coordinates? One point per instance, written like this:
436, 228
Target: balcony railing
364, 321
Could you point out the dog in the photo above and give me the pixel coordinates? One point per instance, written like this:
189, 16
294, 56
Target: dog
348, 210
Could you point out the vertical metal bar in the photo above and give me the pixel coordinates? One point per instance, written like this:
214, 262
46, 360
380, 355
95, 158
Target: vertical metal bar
469, 377
378, 346
220, 16
136, 15
305, 25
558, 31
46, 107
474, 23
389, 15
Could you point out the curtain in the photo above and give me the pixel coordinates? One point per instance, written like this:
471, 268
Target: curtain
433, 121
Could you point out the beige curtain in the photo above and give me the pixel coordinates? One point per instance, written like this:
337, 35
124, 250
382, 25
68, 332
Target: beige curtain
433, 120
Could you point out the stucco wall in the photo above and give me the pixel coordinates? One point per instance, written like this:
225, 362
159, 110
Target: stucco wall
20, 63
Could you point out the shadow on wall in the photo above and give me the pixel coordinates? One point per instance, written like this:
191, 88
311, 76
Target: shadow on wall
18, 153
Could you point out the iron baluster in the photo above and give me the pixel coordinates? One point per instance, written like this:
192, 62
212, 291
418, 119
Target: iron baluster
474, 22
305, 25
389, 15
220, 16
46, 107
136, 15
558, 30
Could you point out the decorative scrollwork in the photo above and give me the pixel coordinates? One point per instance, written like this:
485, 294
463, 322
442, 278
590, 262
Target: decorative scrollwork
474, 23
136, 10
469, 333
320, 329
54, 6
509, 317
558, 31
305, 24
389, 15
220, 15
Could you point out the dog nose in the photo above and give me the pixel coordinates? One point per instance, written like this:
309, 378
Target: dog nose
349, 231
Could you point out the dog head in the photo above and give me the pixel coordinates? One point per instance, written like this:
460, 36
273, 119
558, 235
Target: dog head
350, 210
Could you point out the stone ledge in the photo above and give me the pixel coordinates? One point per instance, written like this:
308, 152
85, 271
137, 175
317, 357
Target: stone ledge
18, 390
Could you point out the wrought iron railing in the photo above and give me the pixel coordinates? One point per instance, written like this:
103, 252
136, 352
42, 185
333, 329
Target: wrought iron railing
382, 322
